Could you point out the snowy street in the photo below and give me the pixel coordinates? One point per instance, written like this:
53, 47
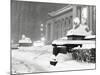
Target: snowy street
37, 59
52, 37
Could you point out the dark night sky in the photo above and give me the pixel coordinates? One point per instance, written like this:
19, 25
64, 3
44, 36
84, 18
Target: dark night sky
26, 18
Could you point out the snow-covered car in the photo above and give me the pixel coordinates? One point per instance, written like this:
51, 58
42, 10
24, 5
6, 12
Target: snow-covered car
66, 44
38, 43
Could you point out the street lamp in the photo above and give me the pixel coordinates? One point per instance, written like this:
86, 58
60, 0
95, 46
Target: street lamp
42, 38
41, 29
42, 25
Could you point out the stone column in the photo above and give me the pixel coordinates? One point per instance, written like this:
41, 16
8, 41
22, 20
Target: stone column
46, 31
79, 12
74, 12
62, 27
94, 20
51, 32
90, 17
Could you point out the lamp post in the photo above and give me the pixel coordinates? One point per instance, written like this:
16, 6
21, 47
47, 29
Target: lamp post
41, 29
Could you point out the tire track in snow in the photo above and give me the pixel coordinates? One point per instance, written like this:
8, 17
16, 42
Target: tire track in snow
31, 65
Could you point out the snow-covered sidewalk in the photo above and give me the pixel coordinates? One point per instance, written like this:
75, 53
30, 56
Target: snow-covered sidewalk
36, 59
